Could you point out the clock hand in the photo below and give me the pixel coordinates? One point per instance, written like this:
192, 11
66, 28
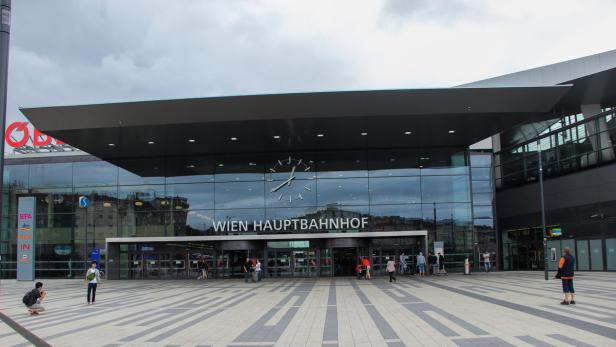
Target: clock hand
283, 184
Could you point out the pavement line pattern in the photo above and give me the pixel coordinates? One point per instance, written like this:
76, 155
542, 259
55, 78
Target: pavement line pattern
496, 309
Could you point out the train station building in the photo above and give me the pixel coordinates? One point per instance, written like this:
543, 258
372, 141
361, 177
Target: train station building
309, 182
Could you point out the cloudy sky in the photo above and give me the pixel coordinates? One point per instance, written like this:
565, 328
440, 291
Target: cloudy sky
92, 51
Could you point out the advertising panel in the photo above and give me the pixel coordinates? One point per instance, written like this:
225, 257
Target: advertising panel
26, 225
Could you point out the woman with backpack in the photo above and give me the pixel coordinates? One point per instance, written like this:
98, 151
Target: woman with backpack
93, 279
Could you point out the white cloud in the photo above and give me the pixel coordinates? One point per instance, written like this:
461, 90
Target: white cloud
86, 51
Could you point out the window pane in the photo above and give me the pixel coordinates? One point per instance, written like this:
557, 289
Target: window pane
53, 200
481, 173
482, 187
239, 168
143, 198
481, 160
95, 173
280, 167
396, 217
351, 191
395, 190
16, 176
240, 195
393, 163
342, 164
189, 169
142, 223
51, 175
142, 171
194, 196
482, 211
482, 199
102, 199
444, 189
192, 223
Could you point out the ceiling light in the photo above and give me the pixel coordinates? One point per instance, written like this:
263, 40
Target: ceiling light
320, 135
178, 207
364, 134
190, 166
276, 137
252, 164
407, 133
452, 131
106, 204
221, 164
138, 203
111, 144
150, 142
233, 139
191, 140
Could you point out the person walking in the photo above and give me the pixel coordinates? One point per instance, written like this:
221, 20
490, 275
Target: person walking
486, 261
433, 263
565, 273
202, 266
366, 264
92, 280
441, 264
247, 267
258, 270
391, 269
421, 264
34, 298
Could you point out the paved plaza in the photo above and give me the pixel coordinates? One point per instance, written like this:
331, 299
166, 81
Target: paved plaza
497, 309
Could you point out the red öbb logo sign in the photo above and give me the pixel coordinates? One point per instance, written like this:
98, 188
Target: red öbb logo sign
17, 134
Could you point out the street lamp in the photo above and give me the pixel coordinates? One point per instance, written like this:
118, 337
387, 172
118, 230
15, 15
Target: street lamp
545, 238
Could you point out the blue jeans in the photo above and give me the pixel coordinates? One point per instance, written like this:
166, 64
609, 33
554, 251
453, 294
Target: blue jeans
246, 276
488, 266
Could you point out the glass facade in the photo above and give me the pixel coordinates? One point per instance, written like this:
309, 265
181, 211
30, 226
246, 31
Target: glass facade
395, 190
569, 144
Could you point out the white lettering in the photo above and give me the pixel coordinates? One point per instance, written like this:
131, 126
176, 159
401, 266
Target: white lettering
244, 225
355, 223
304, 224
344, 223
313, 224
268, 226
287, 224
364, 222
220, 226
257, 225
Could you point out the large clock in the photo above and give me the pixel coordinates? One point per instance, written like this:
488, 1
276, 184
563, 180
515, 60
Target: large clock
284, 178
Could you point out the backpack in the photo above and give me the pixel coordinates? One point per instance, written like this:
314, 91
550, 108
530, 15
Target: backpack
30, 298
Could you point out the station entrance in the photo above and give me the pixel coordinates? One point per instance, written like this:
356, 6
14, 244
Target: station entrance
178, 259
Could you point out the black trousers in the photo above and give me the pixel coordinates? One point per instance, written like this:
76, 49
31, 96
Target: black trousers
92, 290
391, 276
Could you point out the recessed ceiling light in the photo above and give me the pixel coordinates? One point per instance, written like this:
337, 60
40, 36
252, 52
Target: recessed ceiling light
276, 137
111, 144
320, 135
452, 131
150, 142
233, 139
221, 164
407, 133
364, 134
138, 203
191, 140
190, 166
252, 164
420, 166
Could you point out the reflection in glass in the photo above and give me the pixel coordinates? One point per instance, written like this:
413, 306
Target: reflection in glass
482, 211
239, 168
189, 169
197, 196
95, 173
444, 189
141, 171
51, 175
481, 160
342, 164
396, 217
351, 191
192, 223
395, 190
482, 199
386, 163
481, 173
143, 198
482, 187
15, 176
240, 195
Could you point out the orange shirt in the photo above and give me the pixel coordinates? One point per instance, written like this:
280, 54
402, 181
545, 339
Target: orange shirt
561, 263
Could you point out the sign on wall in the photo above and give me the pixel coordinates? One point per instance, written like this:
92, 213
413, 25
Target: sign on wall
439, 247
26, 227
23, 138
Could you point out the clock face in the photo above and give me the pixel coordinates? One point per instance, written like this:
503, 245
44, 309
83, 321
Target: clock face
291, 179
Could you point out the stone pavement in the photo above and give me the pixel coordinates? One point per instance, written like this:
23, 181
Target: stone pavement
497, 309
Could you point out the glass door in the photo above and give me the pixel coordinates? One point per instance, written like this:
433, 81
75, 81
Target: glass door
326, 262
304, 263
596, 255
283, 264
610, 248
583, 261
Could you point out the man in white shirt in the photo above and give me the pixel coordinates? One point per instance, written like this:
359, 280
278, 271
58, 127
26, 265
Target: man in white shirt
486, 261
